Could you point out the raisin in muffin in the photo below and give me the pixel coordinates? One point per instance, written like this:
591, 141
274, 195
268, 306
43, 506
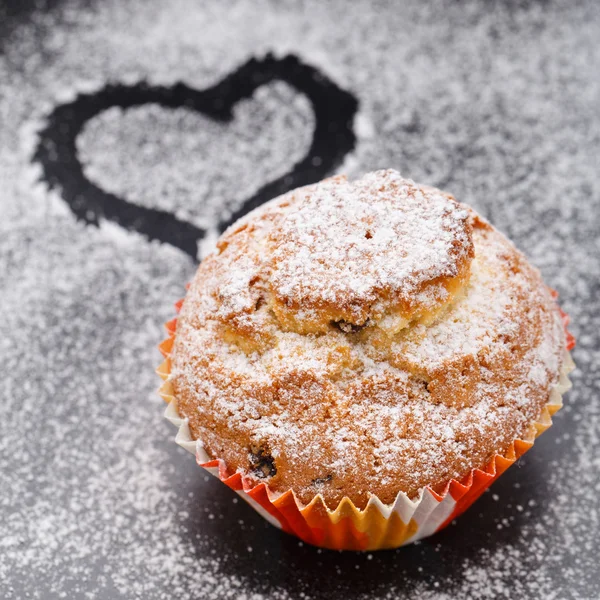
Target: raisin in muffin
368, 337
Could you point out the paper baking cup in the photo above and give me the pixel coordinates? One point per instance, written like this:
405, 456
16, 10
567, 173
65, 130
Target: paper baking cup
378, 525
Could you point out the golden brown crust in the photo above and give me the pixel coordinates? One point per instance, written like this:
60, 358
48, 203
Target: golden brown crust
379, 251
301, 381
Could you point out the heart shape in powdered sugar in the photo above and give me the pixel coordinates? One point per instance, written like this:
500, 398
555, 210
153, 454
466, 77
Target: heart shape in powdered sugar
93, 198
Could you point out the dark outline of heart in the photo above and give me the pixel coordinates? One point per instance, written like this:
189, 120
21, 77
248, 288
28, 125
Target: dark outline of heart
333, 138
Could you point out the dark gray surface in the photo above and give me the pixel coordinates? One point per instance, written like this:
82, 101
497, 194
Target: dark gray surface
496, 102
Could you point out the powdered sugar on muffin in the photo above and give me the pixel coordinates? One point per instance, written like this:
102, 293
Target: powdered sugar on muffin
285, 367
378, 251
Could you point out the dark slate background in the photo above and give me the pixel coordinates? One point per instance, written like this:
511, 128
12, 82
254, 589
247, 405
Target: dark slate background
123, 153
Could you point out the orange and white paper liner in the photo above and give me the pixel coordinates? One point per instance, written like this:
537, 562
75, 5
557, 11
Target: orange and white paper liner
378, 525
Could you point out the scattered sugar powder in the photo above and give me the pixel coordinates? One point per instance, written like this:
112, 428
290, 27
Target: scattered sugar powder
181, 158
497, 104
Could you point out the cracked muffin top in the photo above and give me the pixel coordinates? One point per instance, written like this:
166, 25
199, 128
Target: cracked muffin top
364, 337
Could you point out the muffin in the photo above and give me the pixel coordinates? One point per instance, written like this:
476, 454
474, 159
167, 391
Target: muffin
361, 346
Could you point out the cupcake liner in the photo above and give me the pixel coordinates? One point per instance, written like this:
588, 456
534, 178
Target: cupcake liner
378, 525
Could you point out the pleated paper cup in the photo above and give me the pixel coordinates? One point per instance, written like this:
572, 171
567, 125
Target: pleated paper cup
378, 525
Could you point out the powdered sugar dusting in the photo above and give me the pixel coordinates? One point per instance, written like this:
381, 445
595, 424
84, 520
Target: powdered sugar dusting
165, 169
496, 103
360, 407
358, 242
